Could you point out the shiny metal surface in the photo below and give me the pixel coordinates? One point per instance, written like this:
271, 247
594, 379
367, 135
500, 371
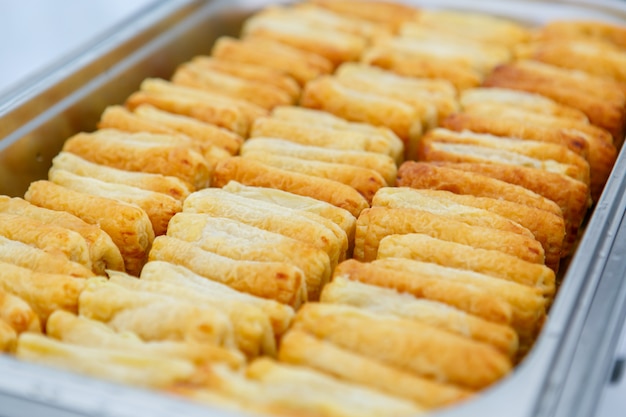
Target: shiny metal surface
560, 377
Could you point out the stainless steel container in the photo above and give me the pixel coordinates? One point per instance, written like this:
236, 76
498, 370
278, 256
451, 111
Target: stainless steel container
562, 376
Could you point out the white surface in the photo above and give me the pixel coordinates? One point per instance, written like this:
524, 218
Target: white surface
35, 34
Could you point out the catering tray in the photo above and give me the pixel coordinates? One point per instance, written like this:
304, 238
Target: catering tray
562, 375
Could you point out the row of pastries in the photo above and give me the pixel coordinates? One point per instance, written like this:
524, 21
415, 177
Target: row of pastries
351, 209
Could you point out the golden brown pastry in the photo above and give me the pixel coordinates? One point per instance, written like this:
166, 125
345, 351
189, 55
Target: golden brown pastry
547, 228
252, 329
421, 247
280, 315
584, 29
257, 174
117, 365
388, 301
364, 180
299, 64
240, 241
300, 348
169, 185
27, 256
102, 251
142, 152
158, 206
130, 229
414, 347
377, 222
278, 281
43, 292
78, 330
18, 314
471, 299
154, 316
8, 338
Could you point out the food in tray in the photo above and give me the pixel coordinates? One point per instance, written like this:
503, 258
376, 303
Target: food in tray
371, 222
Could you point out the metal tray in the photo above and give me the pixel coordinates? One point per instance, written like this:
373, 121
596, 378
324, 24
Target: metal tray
563, 374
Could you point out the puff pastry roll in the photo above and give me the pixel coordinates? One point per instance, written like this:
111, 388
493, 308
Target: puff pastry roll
364, 180
117, 365
77, 330
27, 256
251, 327
18, 314
267, 96
547, 228
310, 133
102, 250
56, 240
240, 241
297, 63
377, 222
421, 247
154, 316
280, 315
383, 164
253, 173
130, 229
430, 176
253, 72
388, 301
158, 206
471, 299
414, 347
172, 186
43, 292
296, 29
600, 99
300, 348
584, 29
8, 337
278, 281
142, 152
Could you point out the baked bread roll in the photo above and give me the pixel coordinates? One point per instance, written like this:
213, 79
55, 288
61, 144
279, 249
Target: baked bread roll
383, 164
142, 152
38, 260
130, 229
8, 338
297, 63
547, 228
278, 281
117, 365
377, 299
18, 314
414, 347
169, 185
257, 174
251, 327
43, 292
280, 315
300, 348
103, 252
154, 316
377, 222
422, 247
240, 241
77, 330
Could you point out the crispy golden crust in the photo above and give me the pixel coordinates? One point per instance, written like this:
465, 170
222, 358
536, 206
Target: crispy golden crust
301, 65
381, 300
8, 337
584, 29
257, 174
278, 281
571, 196
18, 314
130, 229
405, 344
300, 348
377, 222
547, 228
43, 292
239, 241
103, 252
